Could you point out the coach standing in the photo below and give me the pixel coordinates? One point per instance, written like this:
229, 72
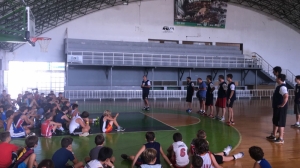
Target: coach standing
279, 104
189, 94
146, 87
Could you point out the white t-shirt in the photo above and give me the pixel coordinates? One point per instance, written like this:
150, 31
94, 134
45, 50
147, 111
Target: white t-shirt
283, 90
180, 149
276, 84
94, 164
151, 166
73, 124
232, 87
207, 163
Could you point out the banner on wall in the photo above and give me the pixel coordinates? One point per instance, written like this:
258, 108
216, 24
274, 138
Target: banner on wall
202, 13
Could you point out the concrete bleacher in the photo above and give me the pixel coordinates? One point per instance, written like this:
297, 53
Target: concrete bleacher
73, 45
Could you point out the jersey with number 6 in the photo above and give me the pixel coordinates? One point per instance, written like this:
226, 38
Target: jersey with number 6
180, 149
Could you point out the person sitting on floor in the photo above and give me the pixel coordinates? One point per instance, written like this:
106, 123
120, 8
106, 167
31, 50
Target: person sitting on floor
103, 159
149, 156
27, 157
221, 156
61, 157
202, 150
49, 127
46, 163
8, 151
79, 125
178, 152
107, 121
197, 161
99, 141
151, 143
75, 112
14, 125
62, 118
257, 154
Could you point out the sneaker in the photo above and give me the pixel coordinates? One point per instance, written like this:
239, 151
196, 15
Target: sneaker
295, 125
30, 134
278, 140
148, 109
190, 111
84, 134
124, 156
144, 108
227, 150
120, 129
271, 137
238, 155
222, 119
232, 122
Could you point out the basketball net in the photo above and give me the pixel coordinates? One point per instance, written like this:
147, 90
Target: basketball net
43, 43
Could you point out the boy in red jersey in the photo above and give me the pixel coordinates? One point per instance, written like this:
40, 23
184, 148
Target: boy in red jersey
48, 127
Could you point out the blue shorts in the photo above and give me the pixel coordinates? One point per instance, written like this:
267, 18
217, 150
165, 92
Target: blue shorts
22, 165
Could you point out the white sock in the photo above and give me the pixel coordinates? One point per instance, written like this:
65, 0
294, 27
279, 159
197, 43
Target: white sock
61, 128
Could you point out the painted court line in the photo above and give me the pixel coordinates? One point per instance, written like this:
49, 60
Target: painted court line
159, 121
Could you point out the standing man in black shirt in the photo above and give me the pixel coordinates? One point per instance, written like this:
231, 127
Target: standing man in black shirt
297, 102
280, 106
221, 100
189, 94
146, 88
231, 97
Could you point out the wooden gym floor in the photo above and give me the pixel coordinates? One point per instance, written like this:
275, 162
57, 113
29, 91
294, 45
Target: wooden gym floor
253, 123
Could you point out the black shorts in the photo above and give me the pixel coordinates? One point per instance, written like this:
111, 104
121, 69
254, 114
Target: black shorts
230, 104
218, 158
209, 100
279, 116
145, 95
77, 131
297, 109
189, 98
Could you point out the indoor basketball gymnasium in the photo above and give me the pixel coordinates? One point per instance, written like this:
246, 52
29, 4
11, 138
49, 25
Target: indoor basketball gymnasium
123, 70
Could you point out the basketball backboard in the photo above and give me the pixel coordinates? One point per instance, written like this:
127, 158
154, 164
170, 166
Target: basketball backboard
18, 26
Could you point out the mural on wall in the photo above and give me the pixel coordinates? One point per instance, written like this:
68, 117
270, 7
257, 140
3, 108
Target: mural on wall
202, 13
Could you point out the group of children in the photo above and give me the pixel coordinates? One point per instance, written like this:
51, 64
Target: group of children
13, 156
53, 115
178, 154
205, 95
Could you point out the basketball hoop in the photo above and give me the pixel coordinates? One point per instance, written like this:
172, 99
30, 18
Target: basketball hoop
43, 42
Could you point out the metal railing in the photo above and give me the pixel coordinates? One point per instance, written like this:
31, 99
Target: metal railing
158, 94
269, 69
163, 60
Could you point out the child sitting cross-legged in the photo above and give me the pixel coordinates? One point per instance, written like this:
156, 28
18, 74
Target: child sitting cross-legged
137, 161
103, 159
27, 157
178, 152
49, 127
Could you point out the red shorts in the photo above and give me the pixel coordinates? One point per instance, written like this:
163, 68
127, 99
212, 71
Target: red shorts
109, 128
221, 102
